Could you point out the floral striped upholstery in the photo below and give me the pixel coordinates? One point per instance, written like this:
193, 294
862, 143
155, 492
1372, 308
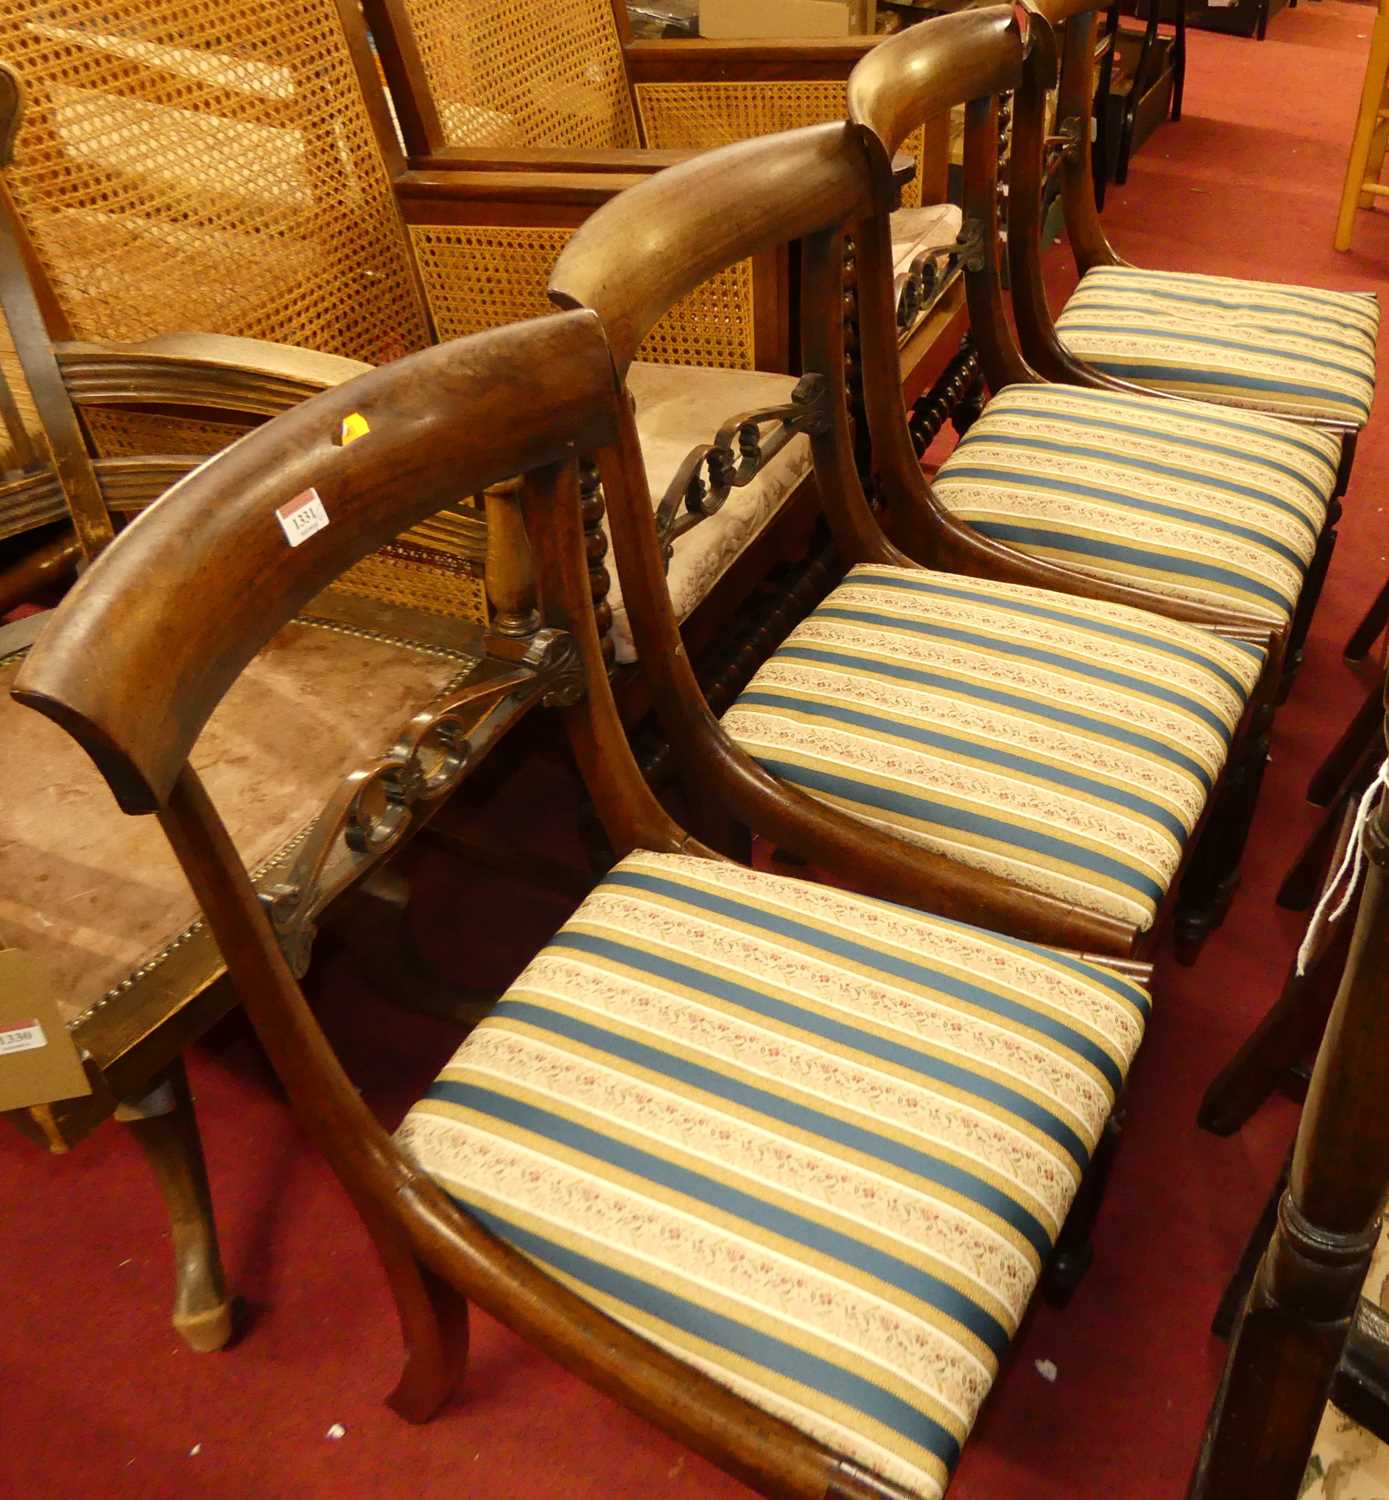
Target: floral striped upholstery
1290, 349
815, 1145
1065, 745
1216, 507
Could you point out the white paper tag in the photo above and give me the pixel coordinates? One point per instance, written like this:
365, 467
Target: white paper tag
22, 1036
301, 517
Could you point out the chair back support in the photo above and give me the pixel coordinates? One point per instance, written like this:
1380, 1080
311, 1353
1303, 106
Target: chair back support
453, 420
968, 58
219, 168
640, 254
502, 74
929, 68
1305, 1296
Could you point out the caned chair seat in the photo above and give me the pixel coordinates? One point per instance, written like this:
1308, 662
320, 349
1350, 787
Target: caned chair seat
678, 408
1216, 507
816, 1145
1066, 745
1298, 350
98, 896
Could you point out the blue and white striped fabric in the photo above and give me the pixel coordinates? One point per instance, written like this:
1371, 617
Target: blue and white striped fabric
1207, 505
1295, 350
817, 1146
1065, 745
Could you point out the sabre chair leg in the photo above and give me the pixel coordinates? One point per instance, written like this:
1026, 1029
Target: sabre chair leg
1348, 751
1074, 1251
1303, 880
1309, 598
165, 1127
1237, 1288
1287, 1033
1213, 876
433, 1328
1371, 627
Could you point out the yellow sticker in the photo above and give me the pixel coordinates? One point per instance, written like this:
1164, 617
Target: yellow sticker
353, 427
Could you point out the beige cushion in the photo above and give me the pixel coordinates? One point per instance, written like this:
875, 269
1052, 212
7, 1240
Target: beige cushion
95, 893
679, 407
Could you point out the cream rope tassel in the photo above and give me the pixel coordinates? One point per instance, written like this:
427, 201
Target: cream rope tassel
1351, 866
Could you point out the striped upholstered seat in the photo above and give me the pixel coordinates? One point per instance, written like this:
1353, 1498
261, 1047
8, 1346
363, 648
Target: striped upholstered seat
1216, 507
1291, 349
815, 1145
1065, 745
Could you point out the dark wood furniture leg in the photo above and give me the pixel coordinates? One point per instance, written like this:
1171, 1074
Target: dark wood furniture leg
1237, 1288
1361, 1386
1345, 756
1369, 630
1074, 1252
1287, 1033
164, 1124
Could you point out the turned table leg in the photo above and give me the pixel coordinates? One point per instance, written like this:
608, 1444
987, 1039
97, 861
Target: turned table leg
166, 1128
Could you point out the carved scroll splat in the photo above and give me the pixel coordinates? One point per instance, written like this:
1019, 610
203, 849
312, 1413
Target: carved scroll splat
932, 268
376, 805
737, 455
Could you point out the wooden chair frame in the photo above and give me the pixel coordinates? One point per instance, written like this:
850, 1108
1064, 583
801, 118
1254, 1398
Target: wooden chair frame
1303, 1315
133, 1049
1063, 55
494, 199
525, 400
812, 185
1070, 66
520, 399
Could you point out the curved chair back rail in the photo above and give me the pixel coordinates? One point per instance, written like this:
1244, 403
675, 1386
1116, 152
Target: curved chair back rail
641, 253
929, 68
450, 421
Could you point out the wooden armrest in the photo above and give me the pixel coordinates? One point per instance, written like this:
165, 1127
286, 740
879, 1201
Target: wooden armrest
538, 189
226, 351
201, 369
704, 59
545, 159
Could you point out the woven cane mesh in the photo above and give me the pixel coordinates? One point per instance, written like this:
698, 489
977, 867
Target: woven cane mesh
435, 566
127, 434
521, 74
13, 377
700, 116
479, 276
208, 165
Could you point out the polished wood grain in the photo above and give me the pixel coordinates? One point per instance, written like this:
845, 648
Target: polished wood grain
1304, 1301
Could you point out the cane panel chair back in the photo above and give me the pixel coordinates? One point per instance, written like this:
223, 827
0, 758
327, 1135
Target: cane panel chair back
497, 76
191, 168
807, 1349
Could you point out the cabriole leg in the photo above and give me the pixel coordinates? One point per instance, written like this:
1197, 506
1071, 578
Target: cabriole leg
166, 1128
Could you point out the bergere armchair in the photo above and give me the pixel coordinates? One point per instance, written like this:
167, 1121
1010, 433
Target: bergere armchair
296, 750
234, 175
785, 1209
1210, 516
1036, 762
489, 85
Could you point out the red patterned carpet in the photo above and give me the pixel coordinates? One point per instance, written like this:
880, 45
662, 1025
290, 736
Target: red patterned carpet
101, 1399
